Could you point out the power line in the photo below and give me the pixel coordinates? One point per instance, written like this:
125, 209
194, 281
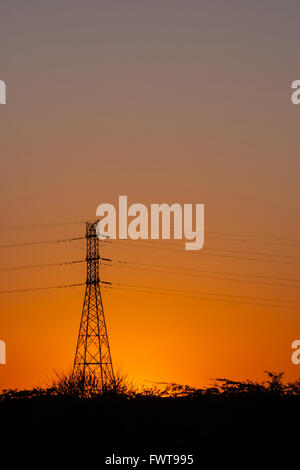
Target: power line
34, 226
39, 288
47, 288
44, 242
248, 240
257, 236
172, 292
171, 270
204, 253
171, 243
158, 267
254, 253
160, 292
151, 265
208, 293
41, 242
211, 272
232, 236
45, 265
274, 255
148, 267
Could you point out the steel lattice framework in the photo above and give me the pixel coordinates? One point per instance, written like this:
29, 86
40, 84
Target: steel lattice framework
93, 357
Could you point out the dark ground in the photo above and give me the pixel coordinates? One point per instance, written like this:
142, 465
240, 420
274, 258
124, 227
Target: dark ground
185, 420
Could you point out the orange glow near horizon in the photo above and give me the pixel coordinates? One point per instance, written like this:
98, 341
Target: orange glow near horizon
154, 337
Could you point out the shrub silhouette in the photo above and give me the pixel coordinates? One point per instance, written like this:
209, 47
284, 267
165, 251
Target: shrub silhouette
65, 384
165, 417
88, 385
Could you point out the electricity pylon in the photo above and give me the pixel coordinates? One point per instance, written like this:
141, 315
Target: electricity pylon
93, 358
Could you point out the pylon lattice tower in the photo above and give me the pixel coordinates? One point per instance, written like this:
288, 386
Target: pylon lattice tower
93, 355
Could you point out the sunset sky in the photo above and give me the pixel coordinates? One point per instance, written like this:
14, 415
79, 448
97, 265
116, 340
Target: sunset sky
162, 101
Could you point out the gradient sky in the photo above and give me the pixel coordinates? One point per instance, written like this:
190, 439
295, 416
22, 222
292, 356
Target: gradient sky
163, 101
